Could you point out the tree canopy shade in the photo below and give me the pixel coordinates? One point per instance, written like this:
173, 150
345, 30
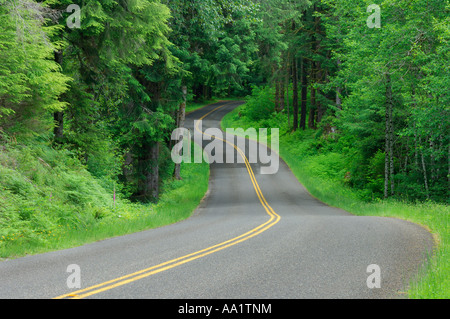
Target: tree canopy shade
111, 90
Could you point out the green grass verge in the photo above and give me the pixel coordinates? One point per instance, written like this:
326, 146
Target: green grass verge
323, 176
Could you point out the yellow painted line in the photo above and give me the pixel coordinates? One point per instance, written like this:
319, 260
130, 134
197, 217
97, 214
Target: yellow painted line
111, 284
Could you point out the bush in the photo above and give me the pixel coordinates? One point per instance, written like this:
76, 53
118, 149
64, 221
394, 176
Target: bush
42, 188
260, 105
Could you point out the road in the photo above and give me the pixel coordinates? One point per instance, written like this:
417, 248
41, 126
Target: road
253, 236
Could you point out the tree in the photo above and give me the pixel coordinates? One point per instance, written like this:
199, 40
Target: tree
27, 69
108, 57
397, 58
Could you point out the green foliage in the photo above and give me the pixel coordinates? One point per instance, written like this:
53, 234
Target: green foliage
48, 200
359, 133
42, 190
260, 104
26, 67
407, 48
215, 42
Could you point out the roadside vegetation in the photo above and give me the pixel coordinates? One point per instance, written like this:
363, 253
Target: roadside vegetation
49, 200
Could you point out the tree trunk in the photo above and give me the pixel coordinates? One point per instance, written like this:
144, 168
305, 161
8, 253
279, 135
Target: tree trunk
288, 76
58, 130
295, 92
432, 161
391, 159
389, 132
448, 162
416, 146
425, 178
277, 95
127, 169
320, 108
181, 115
304, 94
338, 90
282, 95
312, 109
152, 175
205, 92
319, 72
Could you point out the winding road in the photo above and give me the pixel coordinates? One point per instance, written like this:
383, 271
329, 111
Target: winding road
254, 236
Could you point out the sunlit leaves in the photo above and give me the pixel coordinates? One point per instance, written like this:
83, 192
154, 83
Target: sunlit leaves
28, 76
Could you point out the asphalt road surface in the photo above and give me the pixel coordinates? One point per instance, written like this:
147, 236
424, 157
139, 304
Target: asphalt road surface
254, 236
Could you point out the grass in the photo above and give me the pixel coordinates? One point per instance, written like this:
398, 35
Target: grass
323, 176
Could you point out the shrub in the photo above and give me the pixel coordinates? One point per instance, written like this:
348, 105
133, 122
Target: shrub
260, 105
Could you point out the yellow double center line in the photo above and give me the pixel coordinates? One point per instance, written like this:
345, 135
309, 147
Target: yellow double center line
111, 284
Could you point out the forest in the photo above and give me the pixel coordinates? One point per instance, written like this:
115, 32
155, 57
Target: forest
110, 89
90, 92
